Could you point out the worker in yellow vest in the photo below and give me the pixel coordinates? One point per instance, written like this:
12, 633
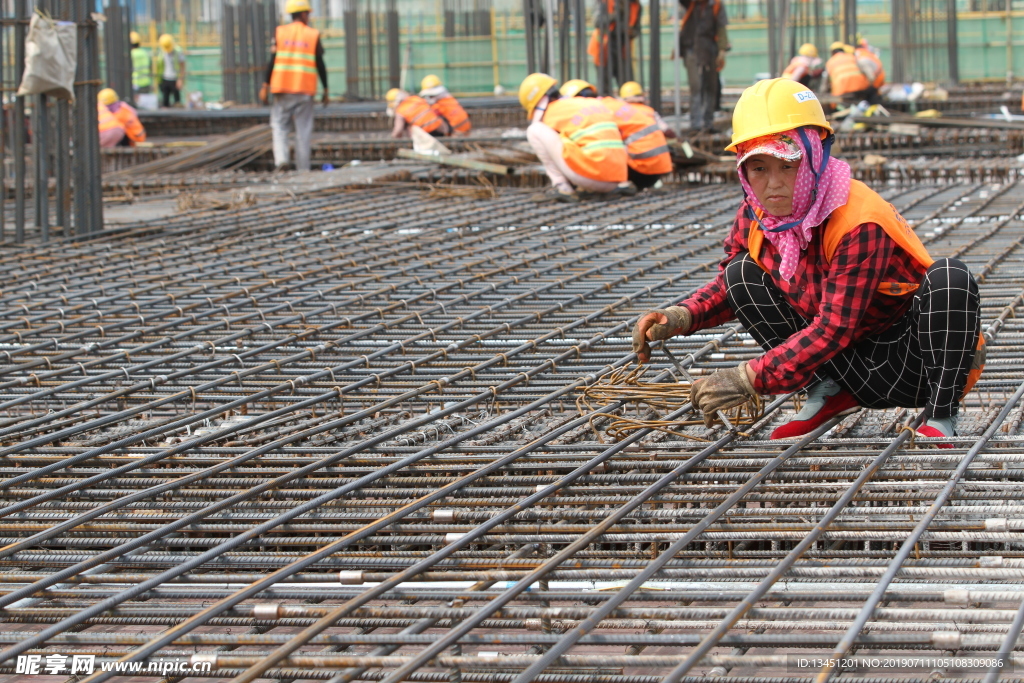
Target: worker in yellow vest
576, 139
296, 60
443, 104
412, 111
831, 281
111, 130
647, 156
846, 77
134, 131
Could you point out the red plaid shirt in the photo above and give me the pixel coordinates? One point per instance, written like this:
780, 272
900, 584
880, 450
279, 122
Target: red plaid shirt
840, 299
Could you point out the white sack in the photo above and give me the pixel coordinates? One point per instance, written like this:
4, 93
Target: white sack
51, 57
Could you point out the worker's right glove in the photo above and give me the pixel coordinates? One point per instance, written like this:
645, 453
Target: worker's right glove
659, 324
263, 92
721, 390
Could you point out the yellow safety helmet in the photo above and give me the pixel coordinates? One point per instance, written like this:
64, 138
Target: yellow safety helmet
838, 45
296, 6
134, 38
772, 106
533, 89
575, 87
631, 89
107, 96
392, 95
166, 42
808, 50
429, 81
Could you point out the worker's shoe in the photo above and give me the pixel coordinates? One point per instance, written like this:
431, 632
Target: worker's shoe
626, 189
825, 400
557, 194
943, 427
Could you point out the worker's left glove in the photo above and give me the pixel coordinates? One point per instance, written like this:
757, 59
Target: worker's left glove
722, 390
264, 89
658, 325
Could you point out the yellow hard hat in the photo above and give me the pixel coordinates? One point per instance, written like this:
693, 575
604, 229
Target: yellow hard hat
392, 95
837, 45
772, 106
631, 89
429, 81
808, 50
166, 42
533, 89
575, 87
296, 6
107, 96
134, 38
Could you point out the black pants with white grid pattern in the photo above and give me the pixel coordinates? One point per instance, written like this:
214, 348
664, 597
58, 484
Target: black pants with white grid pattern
922, 360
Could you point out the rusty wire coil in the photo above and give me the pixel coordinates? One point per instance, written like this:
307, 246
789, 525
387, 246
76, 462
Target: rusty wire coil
625, 385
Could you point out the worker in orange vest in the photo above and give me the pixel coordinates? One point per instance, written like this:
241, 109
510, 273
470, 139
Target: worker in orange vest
111, 130
647, 154
870, 63
806, 67
611, 44
444, 105
413, 111
134, 131
633, 92
295, 62
846, 78
830, 281
576, 139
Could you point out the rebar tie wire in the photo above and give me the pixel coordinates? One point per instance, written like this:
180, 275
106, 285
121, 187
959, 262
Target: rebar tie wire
624, 385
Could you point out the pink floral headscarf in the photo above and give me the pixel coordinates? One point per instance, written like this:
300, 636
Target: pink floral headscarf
810, 208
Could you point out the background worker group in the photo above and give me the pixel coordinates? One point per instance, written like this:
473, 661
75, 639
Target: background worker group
597, 145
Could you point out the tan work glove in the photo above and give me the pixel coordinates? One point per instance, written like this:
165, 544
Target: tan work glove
658, 325
722, 390
264, 89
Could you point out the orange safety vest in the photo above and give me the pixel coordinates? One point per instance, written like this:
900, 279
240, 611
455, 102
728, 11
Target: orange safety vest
453, 113
598, 49
591, 144
866, 206
130, 120
865, 53
646, 146
295, 60
844, 75
416, 112
107, 121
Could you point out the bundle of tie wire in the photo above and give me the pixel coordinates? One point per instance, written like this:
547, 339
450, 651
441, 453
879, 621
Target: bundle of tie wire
625, 385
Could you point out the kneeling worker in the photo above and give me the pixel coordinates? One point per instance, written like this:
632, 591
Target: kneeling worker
412, 110
830, 280
846, 76
111, 130
648, 158
125, 113
442, 102
295, 63
575, 138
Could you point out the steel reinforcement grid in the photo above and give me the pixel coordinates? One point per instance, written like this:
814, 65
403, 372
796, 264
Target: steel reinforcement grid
338, 439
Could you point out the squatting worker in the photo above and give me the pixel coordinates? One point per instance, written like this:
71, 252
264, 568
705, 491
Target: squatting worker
171, 64
850, 77
295, 62
576, 139
633, 92
703, 42
444, 105
111, 130
134, 132
806, 67
412, 111
830, 280
647, 155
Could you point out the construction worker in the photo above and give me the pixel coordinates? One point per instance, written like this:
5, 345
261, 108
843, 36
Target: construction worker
444, 105
633, 92
830, 280
845, 77
296, 60
806, 67
171, 62
870, 64
703, 42
111, 130
413, 111
576, 139
134, 132
142, 65
648, 157
612, 44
